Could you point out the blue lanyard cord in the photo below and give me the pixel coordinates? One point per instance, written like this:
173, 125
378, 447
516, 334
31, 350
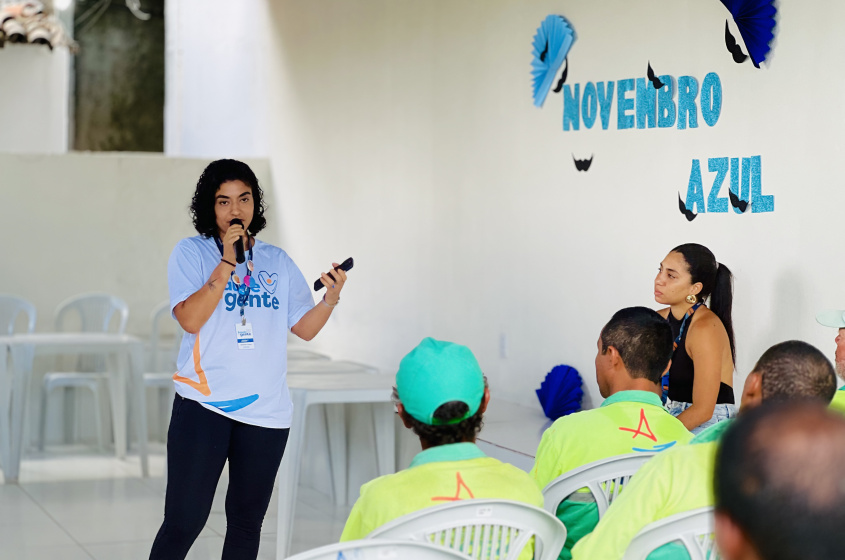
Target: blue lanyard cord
675, 344
244, 287
687, 317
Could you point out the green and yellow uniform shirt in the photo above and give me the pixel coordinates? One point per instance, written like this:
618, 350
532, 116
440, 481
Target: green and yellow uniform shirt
838, 402
439, 475
627, 422
673, 482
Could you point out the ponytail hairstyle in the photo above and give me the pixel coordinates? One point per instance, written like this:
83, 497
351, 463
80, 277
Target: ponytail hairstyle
716, 281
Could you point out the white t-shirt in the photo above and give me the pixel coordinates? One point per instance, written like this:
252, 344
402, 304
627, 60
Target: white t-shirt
246, 385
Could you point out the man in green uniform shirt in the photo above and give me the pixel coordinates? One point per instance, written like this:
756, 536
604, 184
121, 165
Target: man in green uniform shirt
441, 395
634, 351
778, 484
681, 479
836, 319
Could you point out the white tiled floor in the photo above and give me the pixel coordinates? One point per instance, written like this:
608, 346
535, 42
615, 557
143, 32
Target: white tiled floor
73, 504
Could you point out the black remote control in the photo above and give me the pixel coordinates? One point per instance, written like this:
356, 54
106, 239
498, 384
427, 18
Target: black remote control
344, 266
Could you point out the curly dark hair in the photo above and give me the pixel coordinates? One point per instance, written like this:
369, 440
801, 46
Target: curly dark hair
464, 431
214, 175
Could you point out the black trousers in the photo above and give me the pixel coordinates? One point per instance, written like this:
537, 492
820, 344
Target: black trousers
199, 442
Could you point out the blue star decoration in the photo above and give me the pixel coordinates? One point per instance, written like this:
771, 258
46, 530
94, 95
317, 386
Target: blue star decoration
756, 22
551, 44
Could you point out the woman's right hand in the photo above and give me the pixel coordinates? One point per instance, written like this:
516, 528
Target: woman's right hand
233, 234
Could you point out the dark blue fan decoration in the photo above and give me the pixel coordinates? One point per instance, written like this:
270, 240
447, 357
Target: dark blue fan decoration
561, 393
551, 44
755, 20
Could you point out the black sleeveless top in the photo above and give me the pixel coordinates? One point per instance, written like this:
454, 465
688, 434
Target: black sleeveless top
682, 372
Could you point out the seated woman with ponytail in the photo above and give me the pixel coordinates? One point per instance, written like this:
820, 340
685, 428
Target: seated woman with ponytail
699, 384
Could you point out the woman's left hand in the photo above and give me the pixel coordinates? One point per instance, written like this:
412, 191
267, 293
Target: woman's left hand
333, 281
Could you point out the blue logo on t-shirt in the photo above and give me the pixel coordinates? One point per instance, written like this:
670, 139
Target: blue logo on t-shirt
269, 281
260, 293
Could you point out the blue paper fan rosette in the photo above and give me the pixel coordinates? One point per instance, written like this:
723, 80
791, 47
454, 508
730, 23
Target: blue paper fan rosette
756, 22
561, 392
551, 44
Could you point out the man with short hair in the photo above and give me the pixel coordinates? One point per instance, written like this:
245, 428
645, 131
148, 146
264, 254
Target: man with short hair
779, 484
836, 319
680, 479
634, 351
441, 395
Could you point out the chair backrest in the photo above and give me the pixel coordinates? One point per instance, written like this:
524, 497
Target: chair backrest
95, 312
12, 306
163, 358
605, 479
378, 549
481, 528
693, 529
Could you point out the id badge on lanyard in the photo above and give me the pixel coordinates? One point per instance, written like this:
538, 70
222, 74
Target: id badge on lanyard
245, 338
243, 330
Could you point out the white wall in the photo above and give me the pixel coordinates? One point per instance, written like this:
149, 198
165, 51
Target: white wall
215, 93
33, 99
403, 133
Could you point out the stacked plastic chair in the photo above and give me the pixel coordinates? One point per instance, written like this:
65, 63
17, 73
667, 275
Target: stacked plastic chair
96, 312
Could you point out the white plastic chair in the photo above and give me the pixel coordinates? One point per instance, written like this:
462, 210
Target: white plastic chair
485, 529
379, 550
163, 352
95, 312
605, 479
162, 362
693, 529
10, 308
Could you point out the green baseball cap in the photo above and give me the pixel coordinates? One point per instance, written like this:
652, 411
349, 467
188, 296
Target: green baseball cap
435, 373
832, 318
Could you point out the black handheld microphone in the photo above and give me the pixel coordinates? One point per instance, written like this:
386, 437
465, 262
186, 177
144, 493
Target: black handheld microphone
239, 244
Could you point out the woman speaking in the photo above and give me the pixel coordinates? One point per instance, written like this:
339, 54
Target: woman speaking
700, 379
232, 401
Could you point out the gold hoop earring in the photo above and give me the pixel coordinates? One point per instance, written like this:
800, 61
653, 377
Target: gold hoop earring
691, 299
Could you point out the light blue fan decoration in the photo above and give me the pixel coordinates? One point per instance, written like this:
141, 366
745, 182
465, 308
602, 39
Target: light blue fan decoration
551, 44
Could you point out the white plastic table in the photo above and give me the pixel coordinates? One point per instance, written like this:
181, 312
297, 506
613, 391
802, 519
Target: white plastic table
335, 415
23, 348
302, 354
307, 389
327, 366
